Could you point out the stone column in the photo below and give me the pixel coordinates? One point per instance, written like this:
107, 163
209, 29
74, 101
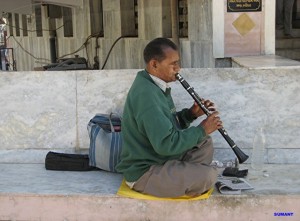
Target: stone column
111, 19
118, 18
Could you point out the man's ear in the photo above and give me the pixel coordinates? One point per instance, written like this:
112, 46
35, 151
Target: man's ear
153, 64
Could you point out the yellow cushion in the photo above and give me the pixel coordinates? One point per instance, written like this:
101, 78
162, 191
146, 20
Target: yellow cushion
125, 191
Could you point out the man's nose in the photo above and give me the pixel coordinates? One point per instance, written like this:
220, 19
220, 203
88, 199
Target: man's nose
177, 68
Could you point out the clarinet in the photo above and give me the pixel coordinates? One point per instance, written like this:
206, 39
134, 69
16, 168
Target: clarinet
242, 157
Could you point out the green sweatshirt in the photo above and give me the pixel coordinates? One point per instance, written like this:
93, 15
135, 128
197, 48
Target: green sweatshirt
152, 131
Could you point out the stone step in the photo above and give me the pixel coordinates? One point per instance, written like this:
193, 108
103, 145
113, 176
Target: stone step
29, 192
287, 43
293, 54
288, 47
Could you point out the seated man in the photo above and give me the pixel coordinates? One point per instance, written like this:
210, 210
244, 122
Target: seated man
162, 155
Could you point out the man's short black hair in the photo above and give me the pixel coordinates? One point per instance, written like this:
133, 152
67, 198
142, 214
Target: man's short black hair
155, 49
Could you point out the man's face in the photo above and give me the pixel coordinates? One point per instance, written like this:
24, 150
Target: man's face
167, 68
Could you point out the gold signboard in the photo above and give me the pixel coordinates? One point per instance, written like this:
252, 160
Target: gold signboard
243, 5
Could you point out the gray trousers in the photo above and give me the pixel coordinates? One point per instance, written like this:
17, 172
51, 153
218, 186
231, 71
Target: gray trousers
284, 10
190, 175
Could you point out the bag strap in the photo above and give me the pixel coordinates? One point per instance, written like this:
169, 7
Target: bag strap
110, 121
112, 129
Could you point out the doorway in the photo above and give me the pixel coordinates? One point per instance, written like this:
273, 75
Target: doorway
296, 15
289, 46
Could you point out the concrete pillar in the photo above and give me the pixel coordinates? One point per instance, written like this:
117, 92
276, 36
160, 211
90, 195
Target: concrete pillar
200, 20
45, 21
269, 26
218, 29
81, 20
154, 19
200, 33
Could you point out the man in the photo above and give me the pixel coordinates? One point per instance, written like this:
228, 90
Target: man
284, 10
162, 155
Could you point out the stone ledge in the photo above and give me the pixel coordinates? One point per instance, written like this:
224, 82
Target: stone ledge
61, 195
265, 62
272, 155
86, 208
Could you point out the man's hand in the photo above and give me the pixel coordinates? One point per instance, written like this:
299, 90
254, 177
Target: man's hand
212, 123
196, 111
